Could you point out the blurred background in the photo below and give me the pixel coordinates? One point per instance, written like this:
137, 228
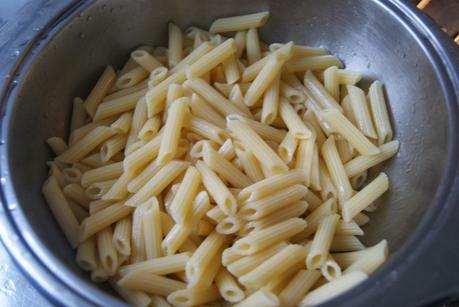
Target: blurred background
15, 289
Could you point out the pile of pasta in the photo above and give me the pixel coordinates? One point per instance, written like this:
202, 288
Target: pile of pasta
223, 169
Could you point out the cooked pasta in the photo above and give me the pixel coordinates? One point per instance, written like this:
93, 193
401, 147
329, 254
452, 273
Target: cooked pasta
220, 169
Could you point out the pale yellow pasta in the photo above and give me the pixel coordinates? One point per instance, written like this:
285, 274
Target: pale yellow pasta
118, 105
239, 23
151, 283
135, 298
289, 211
158, 182
202, 257
348, 76
273, 202
365, 197
138, 119
372, 259
274, 266
149, 129
348, 229
240, 40
266, 76
79, 115
231, 70
300, 284
213, 97
207, 130
98, 205
152, 234
137, 233
251, 72
97, 189
102, 219
333, 288
271, 102
252, 46
79, 212
178, 234
182, 203
346, 244
107, 172
175, 50
156, 97
226, 150
322, 241
197, 296
122, 236
331, 81
228, 287
209, 172
224, 168
270, 235
316, 62
106, 250
319, 93
217, 189
294, 123
336, 170
61, 210
380, 113
131, 77
57, 145
99, 90
266, 132
361, 111
160, 266
157, 76
202, 109
172, 130
86, 255
126, 91
287, 147
99, 275
229, 225
270, 185
330, 269
75, 192
293, 95
246, 264
112, 147
344, 127
249, 163
123, 123
254, 143
85, 145
204, 228
216, 214
313, 219
211, 59
145, 60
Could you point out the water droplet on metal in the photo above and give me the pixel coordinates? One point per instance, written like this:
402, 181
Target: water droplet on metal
81, 35
12, 206
36, 29
8, 287
89, 18
103, 6
4, 267
16, 53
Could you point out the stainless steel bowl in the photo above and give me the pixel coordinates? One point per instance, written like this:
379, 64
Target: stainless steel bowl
387, 40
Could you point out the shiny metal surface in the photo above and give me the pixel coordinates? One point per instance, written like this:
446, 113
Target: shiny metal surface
384, 39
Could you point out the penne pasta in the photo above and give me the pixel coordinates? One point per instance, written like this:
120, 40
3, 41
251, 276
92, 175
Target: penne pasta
99, 91
380, 113
365, 197
239, 23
